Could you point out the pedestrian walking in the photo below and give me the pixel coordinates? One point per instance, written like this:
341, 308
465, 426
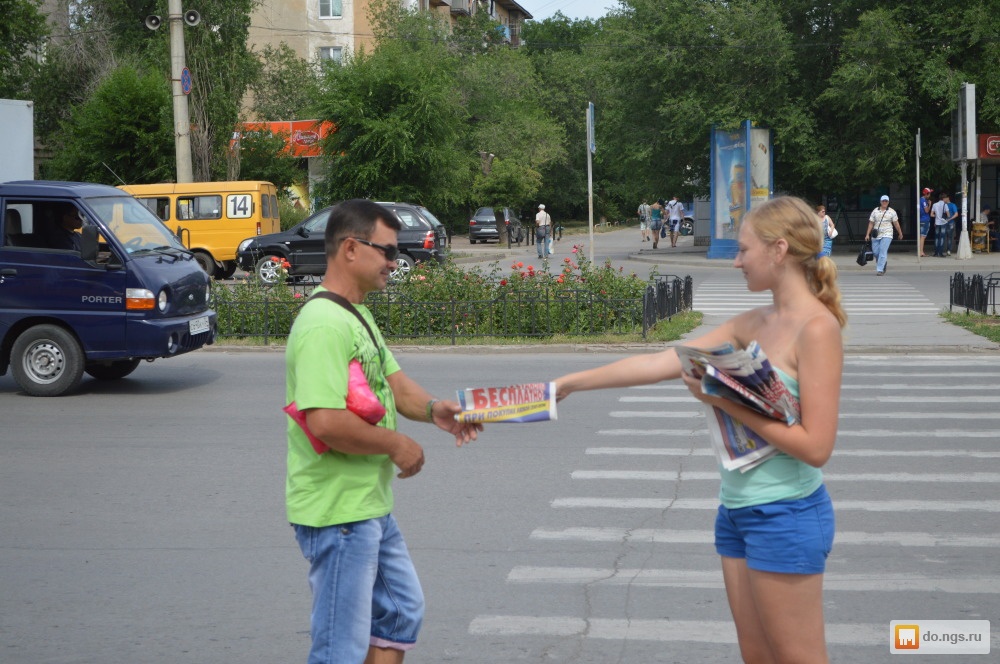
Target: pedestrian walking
774, 528
827, 229
643, 212
543, 226
882, 220
368, 605
925, 220
656, 221
942, 229
675, 212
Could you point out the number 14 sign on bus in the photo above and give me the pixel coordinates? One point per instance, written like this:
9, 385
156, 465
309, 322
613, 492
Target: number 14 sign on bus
529, 402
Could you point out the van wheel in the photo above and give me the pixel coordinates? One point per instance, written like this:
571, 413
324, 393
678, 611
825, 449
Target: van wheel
228, 270
205, 262
404, 263
268, 270
111, 370
46, 361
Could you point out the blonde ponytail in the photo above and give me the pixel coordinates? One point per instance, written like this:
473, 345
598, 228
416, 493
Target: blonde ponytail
794, 220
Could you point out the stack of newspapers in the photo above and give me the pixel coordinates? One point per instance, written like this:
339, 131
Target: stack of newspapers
744, 376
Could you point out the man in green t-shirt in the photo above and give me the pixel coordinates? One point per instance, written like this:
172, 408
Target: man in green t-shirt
367, 601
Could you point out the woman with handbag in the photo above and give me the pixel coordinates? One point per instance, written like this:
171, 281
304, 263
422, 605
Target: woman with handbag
774, 527
882, 220
829, 231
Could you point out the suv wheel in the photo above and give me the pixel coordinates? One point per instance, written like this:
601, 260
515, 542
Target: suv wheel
404, 263
268, 269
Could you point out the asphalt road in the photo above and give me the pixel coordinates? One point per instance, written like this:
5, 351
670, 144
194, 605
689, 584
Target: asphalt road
143, 521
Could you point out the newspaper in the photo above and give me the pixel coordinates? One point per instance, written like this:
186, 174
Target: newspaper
529, 402
744, 376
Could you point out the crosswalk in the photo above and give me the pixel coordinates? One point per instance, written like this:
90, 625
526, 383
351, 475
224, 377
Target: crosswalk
914, 481
725, 294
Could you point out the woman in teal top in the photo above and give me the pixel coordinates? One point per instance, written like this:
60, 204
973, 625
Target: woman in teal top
774, 528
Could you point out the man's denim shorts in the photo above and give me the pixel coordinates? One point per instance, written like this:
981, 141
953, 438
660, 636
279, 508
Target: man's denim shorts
787, 536
365, 589
925, 227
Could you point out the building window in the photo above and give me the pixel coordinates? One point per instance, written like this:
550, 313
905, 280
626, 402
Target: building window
330, 54
331, 8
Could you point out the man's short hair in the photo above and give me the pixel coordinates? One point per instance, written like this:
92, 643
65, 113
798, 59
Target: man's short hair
356, 218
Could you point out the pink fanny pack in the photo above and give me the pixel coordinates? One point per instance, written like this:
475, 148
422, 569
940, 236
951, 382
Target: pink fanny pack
360, 400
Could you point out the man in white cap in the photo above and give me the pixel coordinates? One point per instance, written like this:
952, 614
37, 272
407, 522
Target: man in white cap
543, 223
881, 223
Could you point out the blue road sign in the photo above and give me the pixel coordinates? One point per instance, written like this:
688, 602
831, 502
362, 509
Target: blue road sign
186, 81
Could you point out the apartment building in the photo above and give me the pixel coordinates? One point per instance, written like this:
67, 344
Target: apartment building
327, 29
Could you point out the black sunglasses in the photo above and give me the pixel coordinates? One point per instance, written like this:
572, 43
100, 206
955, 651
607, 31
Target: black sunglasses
390, 251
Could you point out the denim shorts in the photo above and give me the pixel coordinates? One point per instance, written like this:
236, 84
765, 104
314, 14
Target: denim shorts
787, 536
365, 589
925, 227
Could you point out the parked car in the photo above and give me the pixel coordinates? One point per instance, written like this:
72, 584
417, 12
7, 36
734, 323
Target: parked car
483, 225
422, 238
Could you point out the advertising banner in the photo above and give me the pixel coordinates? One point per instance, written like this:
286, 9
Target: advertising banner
302, 137
742, 173
761, 180
729, 182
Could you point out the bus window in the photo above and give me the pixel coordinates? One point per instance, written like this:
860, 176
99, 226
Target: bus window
274, 206
265, 206
158, 206
199, 207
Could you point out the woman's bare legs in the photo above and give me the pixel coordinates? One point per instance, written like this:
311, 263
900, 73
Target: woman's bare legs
779, 617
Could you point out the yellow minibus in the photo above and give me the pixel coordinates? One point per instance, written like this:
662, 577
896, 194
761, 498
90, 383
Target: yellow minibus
212, 218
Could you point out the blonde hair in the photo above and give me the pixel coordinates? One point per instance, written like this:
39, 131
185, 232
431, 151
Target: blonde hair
794, 220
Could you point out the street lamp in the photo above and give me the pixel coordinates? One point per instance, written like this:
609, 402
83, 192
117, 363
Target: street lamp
180, 79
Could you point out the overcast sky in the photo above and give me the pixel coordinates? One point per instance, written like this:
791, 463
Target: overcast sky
543, 9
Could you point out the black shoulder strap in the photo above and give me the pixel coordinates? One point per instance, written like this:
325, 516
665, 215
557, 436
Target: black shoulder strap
342, 301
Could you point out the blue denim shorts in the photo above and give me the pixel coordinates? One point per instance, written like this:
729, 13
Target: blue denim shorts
787, 536
925, 227
365, 589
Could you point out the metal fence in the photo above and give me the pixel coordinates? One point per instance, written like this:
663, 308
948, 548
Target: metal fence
535, 313
974, 293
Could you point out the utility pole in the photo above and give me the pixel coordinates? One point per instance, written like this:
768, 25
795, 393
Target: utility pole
180, 83
182, 118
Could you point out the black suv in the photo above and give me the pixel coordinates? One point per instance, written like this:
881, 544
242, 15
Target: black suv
422, 238
483, 225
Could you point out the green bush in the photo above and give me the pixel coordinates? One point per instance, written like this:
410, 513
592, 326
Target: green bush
572, 297
249, 309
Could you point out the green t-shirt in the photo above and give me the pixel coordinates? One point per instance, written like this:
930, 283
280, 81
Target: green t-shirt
333, 487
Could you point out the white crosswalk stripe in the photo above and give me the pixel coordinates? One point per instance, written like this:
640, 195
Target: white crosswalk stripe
922, 465
726, 295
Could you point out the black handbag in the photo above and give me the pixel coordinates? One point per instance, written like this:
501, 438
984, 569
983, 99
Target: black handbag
866, 254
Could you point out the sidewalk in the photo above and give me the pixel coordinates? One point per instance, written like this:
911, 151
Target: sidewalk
870, 334
625, 240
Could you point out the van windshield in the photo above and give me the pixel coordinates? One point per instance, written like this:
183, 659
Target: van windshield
133, 224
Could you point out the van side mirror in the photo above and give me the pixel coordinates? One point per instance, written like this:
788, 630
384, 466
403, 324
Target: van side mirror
88, 243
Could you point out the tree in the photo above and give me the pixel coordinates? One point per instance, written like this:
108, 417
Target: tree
262, 156
124, 127
286, 86
397, 116
22, 34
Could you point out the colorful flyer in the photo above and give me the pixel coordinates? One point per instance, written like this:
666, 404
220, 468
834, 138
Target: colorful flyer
529, 402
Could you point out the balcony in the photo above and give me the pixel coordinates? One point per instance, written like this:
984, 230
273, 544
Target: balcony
440, 3
461, 7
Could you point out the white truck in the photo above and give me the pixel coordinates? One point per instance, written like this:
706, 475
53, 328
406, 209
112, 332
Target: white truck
17, 118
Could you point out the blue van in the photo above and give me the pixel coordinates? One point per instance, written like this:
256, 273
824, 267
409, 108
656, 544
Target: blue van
92, 281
